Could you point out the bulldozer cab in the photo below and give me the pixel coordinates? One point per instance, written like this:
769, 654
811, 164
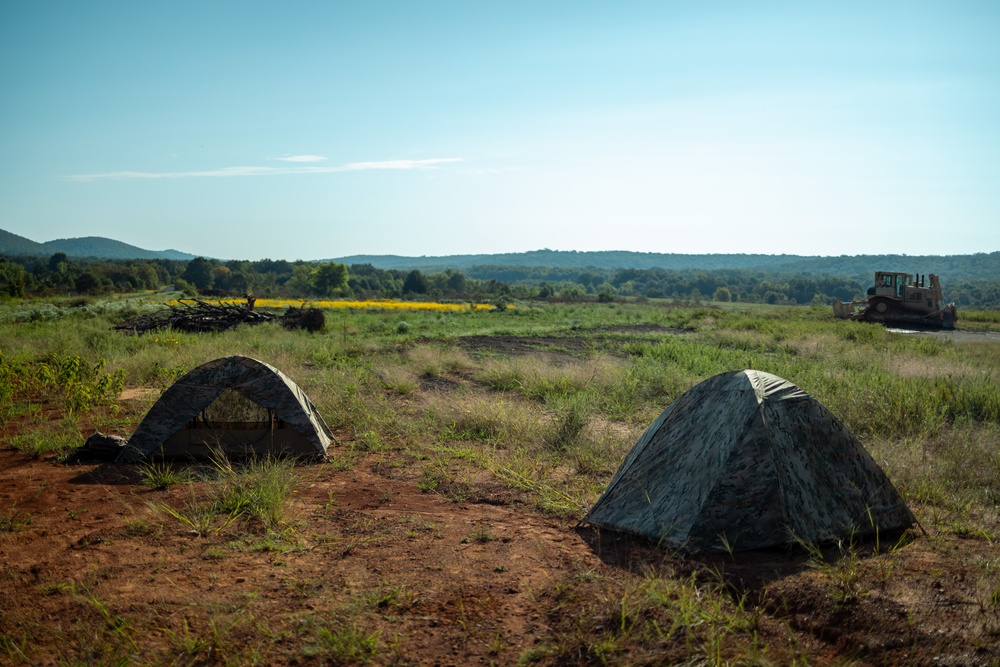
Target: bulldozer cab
889, 283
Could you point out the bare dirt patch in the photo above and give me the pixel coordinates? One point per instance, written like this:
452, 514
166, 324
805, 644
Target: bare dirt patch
597, 339
140, 393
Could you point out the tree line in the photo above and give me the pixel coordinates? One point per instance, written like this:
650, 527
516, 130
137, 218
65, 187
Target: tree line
61, 275
29, 276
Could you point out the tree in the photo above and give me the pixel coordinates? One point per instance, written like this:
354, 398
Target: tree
722, 294
13, 279
571, 291
87, 282
414, 283
301, 282
55, 261
199, 273
455, 281
221, 277
772, 297
329, 279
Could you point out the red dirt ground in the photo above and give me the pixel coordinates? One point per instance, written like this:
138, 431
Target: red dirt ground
473, 582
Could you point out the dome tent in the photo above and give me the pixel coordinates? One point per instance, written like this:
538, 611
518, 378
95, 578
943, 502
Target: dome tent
747, 460
176, 426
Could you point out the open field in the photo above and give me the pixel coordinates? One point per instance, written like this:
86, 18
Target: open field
443, 530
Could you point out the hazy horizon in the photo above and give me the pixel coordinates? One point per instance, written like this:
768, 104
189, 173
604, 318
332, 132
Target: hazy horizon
313, 130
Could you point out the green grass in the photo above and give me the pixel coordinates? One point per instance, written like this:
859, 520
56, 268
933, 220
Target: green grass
39, 444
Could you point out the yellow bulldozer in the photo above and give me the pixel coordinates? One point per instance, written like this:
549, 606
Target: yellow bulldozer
901, 299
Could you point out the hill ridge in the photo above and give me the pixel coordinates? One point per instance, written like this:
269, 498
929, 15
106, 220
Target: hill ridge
97, 247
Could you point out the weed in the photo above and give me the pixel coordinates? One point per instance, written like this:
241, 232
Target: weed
344, 645
160, 475
189, 644
258, 492
530, 656
385, 596
479, 536
55, 588
199, 517
304, 589
13, 520
16, 648
569, 426
496, 645
844, 569
430, 480
140, 527
118, 625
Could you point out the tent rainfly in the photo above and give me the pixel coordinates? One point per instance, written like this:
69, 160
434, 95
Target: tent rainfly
746, 460
177, 427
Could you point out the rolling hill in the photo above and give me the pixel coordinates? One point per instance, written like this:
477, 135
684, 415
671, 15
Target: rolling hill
89, 246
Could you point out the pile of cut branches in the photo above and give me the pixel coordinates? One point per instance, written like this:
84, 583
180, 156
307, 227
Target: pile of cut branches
194, 315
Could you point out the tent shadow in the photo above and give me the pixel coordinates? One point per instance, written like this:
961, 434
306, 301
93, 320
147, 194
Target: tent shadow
743, 571
110, 474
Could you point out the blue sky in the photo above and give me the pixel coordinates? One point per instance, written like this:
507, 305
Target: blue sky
322, 129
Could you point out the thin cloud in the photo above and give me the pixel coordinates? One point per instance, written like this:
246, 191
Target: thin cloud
302, 158
231, 172
398, 164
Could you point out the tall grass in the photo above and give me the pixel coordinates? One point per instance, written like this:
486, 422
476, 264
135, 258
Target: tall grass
570, 409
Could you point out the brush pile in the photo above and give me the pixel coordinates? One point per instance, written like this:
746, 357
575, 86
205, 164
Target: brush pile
196, 316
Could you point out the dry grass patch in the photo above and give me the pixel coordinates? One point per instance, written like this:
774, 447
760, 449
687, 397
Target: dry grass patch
818, 346
433, 361
542, 378
932, 367
953, 474
397, 378
500, 422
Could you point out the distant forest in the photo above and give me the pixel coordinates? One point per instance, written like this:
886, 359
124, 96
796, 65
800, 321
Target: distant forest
971, 281
979, 266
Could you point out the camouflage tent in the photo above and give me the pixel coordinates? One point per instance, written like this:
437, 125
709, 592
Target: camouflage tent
747, 460
180, 423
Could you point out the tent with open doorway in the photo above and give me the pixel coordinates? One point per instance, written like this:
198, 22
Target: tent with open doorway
747, 460
195, 417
